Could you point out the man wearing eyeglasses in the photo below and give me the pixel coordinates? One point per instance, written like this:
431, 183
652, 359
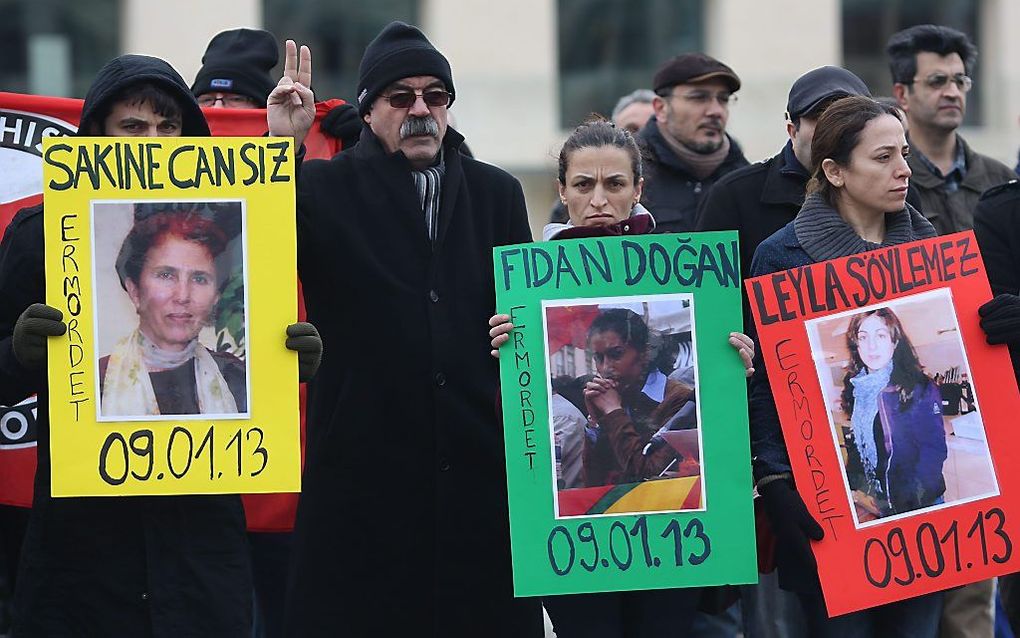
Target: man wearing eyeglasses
686, 143
402, 527
931, 68
235, 70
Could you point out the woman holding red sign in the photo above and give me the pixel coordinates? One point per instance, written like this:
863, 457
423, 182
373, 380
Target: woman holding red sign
856, 202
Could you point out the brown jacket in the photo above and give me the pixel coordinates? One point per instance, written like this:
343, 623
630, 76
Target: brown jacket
619, 457
954, 212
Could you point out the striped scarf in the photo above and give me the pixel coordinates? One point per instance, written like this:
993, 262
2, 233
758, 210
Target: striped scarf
429, 184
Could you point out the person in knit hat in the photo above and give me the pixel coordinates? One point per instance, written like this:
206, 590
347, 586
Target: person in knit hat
402, 528
118, 565
236, 68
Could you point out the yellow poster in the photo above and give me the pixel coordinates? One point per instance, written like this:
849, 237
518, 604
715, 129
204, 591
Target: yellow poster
174, 263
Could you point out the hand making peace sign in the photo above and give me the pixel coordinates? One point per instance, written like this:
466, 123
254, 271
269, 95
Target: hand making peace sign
290, 109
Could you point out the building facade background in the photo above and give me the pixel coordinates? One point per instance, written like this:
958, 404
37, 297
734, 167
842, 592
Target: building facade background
527, 72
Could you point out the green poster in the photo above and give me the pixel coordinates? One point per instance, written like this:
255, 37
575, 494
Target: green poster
625, 414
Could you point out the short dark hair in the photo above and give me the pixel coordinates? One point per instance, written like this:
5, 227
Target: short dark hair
162, 101
595, 132
837, 134
628, 324
904, 46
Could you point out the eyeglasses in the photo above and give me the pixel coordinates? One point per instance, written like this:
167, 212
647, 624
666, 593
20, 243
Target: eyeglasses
406, 99
937, 81
232, 101
704, 97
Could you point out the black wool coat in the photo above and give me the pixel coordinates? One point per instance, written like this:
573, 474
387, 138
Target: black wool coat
756, 201
131, 567
671, 193
402, 528
997, 230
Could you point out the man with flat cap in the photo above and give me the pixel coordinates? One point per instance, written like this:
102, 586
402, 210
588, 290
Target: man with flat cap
760, 199
402, 527
686, 145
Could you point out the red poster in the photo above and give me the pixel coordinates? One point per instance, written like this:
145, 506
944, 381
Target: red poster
24, 121
898, 418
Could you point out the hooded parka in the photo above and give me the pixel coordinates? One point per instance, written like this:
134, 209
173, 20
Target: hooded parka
125, 567
402, 528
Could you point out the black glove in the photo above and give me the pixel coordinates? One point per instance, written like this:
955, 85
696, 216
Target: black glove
1000, 319
794, 529
343, 123
304, 339
33, 328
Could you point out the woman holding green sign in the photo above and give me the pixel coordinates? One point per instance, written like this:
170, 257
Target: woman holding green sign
856, 202
600, 184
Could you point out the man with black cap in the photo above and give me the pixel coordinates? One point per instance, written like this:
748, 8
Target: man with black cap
164, 566
687, 147
756, 201
760, 199
402, 527
236, 68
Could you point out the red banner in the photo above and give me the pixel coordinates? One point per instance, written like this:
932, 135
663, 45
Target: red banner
898, 418
25, 120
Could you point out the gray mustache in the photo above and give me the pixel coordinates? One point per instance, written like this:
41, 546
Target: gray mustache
415, 126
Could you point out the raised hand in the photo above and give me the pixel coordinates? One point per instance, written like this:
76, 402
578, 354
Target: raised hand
290, 109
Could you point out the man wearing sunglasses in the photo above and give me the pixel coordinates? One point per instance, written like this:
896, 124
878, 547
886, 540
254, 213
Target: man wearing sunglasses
931, 67
402, 528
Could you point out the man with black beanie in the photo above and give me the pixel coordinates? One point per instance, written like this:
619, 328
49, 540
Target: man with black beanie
402, 528
759, 199
236, 74
236, 68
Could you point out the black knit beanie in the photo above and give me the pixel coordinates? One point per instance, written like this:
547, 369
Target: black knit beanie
239, 61
399, 51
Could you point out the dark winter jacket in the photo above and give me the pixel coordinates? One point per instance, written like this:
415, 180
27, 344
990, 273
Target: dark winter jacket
758, 200
402, 528
169, 566
953, 212
782, 251
997, 229
670, 191
910, 471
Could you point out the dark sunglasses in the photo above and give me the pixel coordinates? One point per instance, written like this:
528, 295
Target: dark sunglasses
406, 99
